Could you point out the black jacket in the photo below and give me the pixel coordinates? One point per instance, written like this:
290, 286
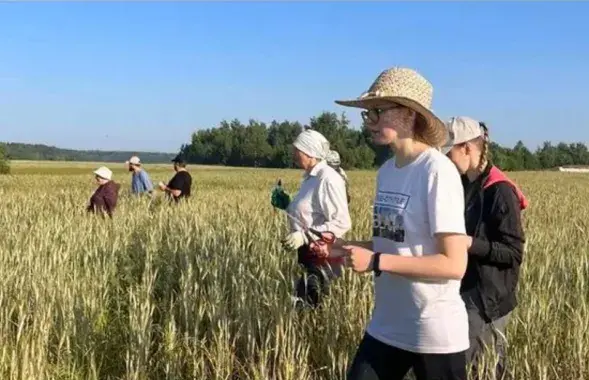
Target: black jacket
493, 206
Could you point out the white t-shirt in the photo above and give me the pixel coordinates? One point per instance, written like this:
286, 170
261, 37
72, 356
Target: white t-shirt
412, 204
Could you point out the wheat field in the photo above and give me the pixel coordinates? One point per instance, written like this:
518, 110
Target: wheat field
202, 291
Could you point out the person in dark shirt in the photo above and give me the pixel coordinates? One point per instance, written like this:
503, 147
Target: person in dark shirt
104, 199
180, 185
493, 206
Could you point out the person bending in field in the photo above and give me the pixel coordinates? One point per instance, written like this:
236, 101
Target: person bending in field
495, 238
418, 254
180, 185
104, 199
320, 204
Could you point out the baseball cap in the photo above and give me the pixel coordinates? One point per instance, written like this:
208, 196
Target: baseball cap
179, 159
134, 161
461, 129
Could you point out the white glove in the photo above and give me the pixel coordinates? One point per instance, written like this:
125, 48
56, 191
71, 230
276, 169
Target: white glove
294, 240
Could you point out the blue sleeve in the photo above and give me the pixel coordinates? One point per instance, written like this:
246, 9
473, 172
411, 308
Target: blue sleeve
146, 181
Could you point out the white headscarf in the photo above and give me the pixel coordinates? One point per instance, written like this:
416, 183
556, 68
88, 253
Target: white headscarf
312, 143
333, 158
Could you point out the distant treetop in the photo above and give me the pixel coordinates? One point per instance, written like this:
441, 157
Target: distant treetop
269, 145
19, 151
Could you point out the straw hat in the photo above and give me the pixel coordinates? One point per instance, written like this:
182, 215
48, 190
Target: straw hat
408, 88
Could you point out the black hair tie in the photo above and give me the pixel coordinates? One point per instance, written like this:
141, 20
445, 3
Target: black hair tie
484, 127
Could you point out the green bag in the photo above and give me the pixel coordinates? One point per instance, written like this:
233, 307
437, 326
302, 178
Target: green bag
280, 198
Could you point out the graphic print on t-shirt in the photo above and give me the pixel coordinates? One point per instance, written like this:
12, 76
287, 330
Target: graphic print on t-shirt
389, 209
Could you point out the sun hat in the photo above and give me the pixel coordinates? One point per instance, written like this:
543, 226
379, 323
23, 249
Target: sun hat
461, 129
408, 88
333, 158
312, 143
134, 161
104, 172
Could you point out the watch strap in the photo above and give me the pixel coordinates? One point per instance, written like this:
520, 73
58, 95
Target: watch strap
376, 264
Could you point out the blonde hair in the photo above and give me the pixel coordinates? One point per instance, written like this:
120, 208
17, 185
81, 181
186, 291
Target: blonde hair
484, 144
420, 129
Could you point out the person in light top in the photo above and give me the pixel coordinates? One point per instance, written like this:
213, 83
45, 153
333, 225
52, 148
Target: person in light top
418, 253
333, 159
496, 238
320, 204
140, 181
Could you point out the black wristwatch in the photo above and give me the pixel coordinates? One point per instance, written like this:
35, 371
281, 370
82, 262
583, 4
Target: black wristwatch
376, 264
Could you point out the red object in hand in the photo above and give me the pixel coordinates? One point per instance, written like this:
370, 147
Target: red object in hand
320, 248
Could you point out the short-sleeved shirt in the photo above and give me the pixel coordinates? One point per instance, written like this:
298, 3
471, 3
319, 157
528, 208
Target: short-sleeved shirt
412, 204
140, 182
182, 181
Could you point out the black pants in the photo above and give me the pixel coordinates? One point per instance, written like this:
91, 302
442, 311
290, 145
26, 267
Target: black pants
313, 285
378, 361
484, 334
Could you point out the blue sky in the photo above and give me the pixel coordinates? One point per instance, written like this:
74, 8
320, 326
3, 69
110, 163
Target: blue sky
144, 76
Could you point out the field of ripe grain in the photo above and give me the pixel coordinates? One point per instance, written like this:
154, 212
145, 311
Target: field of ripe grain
202, 291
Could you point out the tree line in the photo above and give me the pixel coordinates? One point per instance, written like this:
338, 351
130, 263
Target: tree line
40, 152
260, 145
4, 163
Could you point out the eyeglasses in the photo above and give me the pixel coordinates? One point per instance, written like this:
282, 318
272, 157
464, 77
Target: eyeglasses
372, 115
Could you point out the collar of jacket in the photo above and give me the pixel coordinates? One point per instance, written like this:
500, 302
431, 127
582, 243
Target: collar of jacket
475, 188
489, 176
316, 169
478, 180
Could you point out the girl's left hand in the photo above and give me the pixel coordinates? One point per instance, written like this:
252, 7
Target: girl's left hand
358, 258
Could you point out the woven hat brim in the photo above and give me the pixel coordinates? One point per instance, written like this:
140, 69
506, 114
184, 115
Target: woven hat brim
434, 123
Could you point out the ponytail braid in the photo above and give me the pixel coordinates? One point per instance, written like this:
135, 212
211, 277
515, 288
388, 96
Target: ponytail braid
484, 158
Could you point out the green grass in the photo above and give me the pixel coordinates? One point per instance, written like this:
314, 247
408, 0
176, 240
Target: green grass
202, 291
